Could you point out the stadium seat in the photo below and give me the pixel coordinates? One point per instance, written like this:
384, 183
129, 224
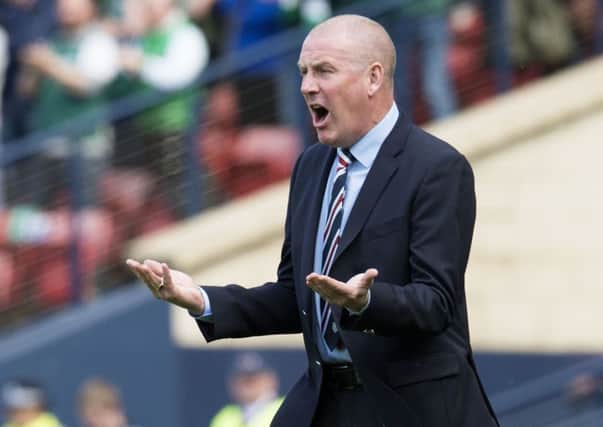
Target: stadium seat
261, 155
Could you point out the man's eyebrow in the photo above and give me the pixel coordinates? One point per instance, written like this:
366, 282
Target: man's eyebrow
316, 64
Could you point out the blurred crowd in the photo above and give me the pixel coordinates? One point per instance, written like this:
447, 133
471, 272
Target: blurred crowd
106, 93
98, 403
252, 385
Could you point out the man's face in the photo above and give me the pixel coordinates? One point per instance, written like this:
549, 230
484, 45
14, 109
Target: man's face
23, 415
95, 415
335, 88
248, 388
73, 13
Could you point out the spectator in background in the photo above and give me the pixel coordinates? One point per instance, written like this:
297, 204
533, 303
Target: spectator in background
166, 41
587, 22
26, 405
65, 78
541, 34
25, 22
167, 53
253, 386
422, 27
262, 86
585, 391
204, 15
100, 405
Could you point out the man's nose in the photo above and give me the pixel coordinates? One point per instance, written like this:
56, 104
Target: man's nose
308, 85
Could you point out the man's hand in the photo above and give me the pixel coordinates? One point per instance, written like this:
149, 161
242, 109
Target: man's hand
352, 295
38, 56
131, 59
169, 285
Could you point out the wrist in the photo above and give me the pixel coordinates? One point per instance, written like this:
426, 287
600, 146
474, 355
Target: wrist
189, 299
359, 306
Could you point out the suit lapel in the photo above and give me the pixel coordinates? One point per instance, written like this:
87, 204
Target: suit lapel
384, 166
381, 171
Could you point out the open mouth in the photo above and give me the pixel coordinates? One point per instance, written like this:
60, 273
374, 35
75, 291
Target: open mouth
319, 114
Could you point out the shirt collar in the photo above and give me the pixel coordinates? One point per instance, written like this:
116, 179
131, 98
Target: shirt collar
366, 149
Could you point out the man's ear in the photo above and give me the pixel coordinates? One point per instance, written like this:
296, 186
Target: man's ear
375, 78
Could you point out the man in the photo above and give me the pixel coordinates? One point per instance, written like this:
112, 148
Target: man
100, 405
65, 78
25, 403
387, 252
165, 41
422, 26
253, 386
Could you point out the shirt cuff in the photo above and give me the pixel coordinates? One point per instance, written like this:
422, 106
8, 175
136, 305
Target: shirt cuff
207, 313
362, 310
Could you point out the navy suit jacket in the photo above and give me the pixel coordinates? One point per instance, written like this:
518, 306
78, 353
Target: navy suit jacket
413, 221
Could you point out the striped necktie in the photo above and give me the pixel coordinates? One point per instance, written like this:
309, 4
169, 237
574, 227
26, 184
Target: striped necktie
331, 237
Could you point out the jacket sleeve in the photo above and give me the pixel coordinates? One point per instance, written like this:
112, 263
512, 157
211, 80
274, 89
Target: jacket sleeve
263, 310
441, 229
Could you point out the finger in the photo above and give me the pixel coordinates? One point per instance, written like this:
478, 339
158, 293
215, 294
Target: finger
147, 276
323, 278
132, 263
136, 268
329, 282
166, 274
150, 276
149, 282
154, 266
315, 286
326, 286
369, 276
314, 282
373, 272
311, 276
325, 293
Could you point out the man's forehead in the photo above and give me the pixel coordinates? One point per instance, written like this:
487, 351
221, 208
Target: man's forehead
325, 52
313, 60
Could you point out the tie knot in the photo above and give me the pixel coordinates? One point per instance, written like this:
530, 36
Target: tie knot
345, 157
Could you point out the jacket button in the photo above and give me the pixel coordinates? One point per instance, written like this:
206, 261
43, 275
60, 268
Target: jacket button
304, 312
317, 362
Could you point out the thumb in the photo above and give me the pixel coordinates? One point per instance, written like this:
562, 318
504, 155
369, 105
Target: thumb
369, 276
